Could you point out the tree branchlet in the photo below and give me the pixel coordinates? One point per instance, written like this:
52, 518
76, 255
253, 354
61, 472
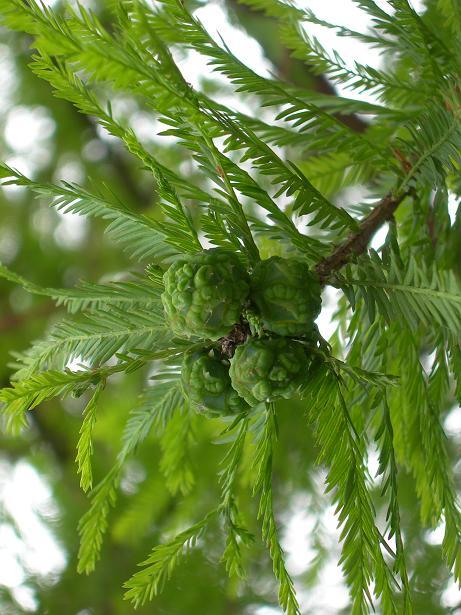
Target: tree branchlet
357, 242
237, 336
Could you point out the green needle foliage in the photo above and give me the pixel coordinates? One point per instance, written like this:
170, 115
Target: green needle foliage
262, 183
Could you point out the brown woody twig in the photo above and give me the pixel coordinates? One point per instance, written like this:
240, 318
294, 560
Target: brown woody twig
237, 336
357, 243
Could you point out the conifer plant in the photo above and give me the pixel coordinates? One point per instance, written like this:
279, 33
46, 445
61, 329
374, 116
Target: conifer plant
228, 275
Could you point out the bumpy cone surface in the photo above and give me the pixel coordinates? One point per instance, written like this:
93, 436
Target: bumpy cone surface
207, 383
266, 369
204, 294
287, 296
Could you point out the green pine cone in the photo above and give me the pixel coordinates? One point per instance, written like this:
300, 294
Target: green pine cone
207, 384
266, 369
287, 296
205, 293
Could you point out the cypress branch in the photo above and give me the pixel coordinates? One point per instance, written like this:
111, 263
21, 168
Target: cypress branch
357, 242
260, 183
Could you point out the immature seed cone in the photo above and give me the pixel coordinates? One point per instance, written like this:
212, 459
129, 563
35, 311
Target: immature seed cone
287, 296
207, 384
267, 369
205, 293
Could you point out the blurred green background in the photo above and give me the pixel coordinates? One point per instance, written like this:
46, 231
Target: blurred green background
40, 498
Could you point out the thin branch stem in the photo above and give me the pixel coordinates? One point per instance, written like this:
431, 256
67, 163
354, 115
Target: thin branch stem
248, 240
357, 242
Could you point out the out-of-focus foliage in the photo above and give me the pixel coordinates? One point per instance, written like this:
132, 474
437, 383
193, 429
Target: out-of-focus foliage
148, 489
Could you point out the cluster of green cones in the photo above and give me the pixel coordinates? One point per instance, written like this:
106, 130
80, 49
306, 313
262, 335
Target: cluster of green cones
210, 293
